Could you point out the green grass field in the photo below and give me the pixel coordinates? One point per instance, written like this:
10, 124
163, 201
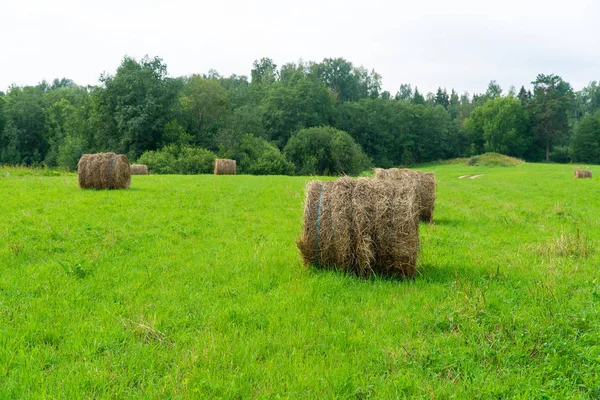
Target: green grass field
192, 287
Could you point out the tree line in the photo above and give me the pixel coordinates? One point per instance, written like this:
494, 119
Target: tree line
326, 117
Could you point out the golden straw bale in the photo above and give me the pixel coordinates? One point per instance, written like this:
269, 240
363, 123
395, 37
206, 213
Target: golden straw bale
362, 226
103, 171
582, 173
224, 166
138, 169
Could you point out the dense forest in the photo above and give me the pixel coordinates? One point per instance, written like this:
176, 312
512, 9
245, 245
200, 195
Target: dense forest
329, 117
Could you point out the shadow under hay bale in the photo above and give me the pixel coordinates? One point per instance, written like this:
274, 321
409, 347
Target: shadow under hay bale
425, 182
362, 226
582, 173
138, 169
103, 171
224, 166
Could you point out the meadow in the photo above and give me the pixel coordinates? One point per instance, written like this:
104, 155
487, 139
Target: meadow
192, 287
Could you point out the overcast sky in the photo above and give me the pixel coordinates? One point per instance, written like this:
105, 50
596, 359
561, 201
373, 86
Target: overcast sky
461, 44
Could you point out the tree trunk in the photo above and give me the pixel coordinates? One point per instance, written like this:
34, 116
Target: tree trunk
547, 150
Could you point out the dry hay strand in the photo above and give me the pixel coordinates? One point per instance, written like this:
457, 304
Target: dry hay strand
224, 166
104, 171
343, 220
425, 182
361, 226
582, 173
138, 169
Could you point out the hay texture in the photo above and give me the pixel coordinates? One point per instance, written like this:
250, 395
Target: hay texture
582, 173
138, 169
103, 171
362, 226
224, 166
425, 182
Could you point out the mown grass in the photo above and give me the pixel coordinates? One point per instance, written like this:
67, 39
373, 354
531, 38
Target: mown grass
192, 287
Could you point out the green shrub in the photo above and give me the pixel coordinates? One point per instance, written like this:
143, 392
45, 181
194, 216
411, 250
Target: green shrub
325, 151
256, 156
561, 154
174, 159
585, 145
69, 153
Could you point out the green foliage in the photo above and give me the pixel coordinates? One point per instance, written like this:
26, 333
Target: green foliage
325, 151
264, 72
493, 91
552, 98
69, 152
176, 159
141, 108
586, 140
134, 106
587, 100
442, 98
524, 96
257, 156
346, 82
23, 140
2, 118
203, 107
67, 124
417, 97
561, 154
175, 133
493, 160
302, 101
398, 132
500, 125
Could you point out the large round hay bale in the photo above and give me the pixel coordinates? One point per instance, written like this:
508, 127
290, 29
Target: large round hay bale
103, 171
224, 166
138, 169
425, 187
582, 173
362, 226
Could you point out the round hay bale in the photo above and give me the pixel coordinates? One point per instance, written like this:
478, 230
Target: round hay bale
224, 166
425, 187
362, 226
427, 195
103, 171
138, 169
582, 173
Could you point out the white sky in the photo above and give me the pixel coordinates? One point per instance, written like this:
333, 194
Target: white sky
461, 43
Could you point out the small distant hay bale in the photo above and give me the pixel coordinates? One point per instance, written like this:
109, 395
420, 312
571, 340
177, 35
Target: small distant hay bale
138, 169
362, 226
104, 171
582, 173
224, 166
425, 182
